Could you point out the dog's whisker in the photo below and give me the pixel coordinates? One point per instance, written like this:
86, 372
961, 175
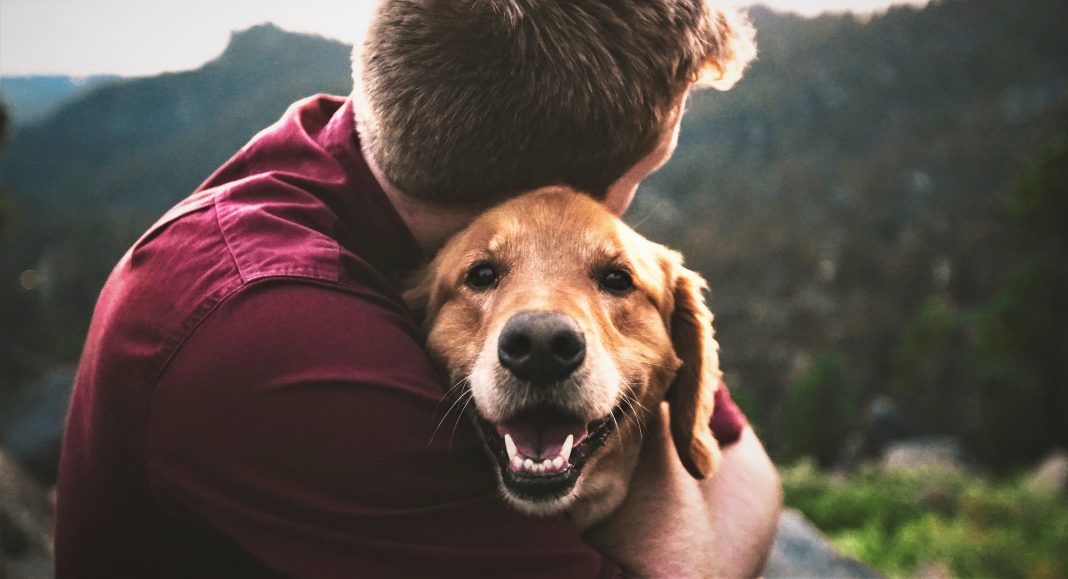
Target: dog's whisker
650, 214
637, 416
633, 405
459, 415
466, 394
460, 384
449, 393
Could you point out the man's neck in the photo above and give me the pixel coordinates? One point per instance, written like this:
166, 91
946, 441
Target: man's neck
430, 225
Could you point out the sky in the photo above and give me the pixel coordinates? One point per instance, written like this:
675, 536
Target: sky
146, 37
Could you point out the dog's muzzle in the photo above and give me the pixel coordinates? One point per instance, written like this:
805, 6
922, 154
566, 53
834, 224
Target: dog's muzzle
541, 348
542, 446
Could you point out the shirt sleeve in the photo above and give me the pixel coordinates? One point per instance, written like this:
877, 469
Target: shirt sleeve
728, 421
305, 423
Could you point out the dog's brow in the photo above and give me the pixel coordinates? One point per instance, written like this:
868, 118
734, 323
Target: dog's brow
602, 248
609, 255
474, 256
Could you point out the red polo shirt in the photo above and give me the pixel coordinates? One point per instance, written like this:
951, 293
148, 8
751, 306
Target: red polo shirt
253, 398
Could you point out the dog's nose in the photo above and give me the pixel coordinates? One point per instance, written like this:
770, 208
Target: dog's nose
541, 347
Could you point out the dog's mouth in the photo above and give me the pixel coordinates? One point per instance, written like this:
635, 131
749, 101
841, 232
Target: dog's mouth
542, 451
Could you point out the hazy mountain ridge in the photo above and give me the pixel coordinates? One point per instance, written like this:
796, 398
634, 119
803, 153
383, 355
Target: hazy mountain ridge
33, 97
121, 142
859, 170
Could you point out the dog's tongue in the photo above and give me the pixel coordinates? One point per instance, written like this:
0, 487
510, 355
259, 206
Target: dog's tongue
542, 439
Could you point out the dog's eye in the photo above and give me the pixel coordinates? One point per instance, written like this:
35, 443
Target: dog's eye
617, 281
482, 276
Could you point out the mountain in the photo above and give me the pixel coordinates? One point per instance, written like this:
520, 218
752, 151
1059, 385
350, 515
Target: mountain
858, 172
142, 143
34, 97
84, 182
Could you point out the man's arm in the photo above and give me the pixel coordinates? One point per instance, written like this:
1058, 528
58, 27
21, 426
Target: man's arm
305, 425
673, 525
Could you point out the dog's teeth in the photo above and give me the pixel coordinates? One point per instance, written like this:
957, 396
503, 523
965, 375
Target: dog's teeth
547, 463
528, 464
565, 451
558, 462
509, 445
517, 463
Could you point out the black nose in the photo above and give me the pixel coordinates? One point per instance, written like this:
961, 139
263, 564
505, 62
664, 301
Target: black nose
541, 347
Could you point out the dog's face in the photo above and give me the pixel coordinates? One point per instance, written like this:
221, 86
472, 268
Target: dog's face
567, 329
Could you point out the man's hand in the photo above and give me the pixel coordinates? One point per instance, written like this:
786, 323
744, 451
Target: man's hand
672, 525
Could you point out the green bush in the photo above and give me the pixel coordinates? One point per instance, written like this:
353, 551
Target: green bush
923, 366
819, 411
900, 522
1020, 357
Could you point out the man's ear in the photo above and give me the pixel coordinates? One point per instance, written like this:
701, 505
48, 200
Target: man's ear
732, 41
692, 395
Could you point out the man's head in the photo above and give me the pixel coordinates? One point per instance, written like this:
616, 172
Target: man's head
466, 102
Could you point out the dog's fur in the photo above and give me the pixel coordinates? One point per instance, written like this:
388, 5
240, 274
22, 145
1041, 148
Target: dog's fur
551, 250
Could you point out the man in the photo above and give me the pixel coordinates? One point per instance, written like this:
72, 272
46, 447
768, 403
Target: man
253, 399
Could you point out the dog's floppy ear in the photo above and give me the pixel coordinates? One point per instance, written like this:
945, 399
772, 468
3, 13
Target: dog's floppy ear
691, 397
419, 295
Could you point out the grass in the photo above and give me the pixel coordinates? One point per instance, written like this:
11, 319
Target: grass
901, 522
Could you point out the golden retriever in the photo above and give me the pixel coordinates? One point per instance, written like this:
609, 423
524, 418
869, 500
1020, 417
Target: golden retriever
568, 330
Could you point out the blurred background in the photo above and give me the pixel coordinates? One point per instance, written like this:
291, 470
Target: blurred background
880, 206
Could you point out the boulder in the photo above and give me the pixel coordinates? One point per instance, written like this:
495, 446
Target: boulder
800, 550
924, 453
1051, 475
32, 429
25, 523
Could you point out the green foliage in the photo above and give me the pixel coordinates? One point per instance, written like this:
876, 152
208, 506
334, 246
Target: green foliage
1003, 361
853, 160
923, 365
1020, 357
900, 522
1040, 206
1018, 366
819, 411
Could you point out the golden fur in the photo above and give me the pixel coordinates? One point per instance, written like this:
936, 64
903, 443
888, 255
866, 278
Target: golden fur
653, 343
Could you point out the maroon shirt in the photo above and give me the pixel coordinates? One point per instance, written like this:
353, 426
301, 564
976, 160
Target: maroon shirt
253, 398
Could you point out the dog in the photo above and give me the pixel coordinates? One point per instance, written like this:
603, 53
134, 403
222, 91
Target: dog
568, 330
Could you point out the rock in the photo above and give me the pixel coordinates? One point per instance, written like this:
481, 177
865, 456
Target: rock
924, 453
32, 429
800, 550
25, 523
1051, 475
882, 425
934, 571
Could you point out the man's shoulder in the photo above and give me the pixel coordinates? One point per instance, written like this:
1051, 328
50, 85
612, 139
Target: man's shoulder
277, 326
279, 208
263, 226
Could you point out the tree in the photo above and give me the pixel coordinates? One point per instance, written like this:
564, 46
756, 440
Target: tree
1020, 358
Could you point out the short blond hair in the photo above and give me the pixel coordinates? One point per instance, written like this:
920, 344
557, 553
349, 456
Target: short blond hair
467, 102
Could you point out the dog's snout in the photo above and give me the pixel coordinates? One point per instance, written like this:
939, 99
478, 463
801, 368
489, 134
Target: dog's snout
541, 347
